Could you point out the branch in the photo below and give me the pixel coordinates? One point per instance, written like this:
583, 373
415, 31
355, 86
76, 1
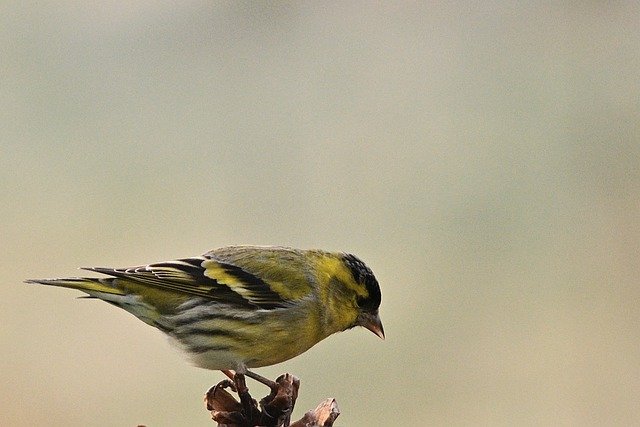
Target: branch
274, 411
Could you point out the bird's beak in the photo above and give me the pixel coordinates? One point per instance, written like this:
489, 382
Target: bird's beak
372, 322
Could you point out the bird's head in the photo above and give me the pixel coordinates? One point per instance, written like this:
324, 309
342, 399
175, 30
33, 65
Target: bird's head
368, 296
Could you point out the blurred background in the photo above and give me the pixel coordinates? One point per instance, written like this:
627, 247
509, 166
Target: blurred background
482, 158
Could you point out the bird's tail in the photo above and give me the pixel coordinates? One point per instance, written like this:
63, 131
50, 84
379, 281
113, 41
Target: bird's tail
94, 287
108, 290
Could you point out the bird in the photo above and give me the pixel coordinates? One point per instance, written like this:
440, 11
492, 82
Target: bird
236, 308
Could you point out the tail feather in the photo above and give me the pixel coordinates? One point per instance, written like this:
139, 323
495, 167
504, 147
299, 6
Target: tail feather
91, 286
107, 290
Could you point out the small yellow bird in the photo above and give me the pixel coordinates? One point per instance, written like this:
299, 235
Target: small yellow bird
242, 307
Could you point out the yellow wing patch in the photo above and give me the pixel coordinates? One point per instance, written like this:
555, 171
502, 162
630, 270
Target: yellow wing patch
249, 286
219, 273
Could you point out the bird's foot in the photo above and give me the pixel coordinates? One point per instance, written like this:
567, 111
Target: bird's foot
275, 408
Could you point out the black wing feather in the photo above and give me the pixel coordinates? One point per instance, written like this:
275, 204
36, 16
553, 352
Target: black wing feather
188, 276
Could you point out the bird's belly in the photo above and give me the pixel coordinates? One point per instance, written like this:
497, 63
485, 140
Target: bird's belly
246, 340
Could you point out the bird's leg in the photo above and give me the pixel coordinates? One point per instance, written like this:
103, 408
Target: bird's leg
230, 374
238, 384
273, 386
221, 386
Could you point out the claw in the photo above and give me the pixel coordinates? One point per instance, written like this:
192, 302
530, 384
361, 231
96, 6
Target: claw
275, 409
227, 384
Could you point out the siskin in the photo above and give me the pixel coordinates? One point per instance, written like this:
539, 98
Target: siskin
242, 307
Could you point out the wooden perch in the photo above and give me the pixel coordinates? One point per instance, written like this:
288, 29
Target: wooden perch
323, 416
274, 411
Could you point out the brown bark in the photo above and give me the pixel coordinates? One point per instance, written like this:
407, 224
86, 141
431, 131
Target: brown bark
274, 409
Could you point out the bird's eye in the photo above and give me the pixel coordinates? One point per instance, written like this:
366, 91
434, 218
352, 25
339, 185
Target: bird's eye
371, 302
364, 276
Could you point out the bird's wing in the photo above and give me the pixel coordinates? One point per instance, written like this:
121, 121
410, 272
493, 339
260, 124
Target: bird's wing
288, 272
204, 277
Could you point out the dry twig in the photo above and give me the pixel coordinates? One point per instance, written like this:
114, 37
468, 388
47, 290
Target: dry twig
274, 411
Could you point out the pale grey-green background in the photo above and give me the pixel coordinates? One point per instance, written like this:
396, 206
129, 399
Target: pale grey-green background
483, 158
